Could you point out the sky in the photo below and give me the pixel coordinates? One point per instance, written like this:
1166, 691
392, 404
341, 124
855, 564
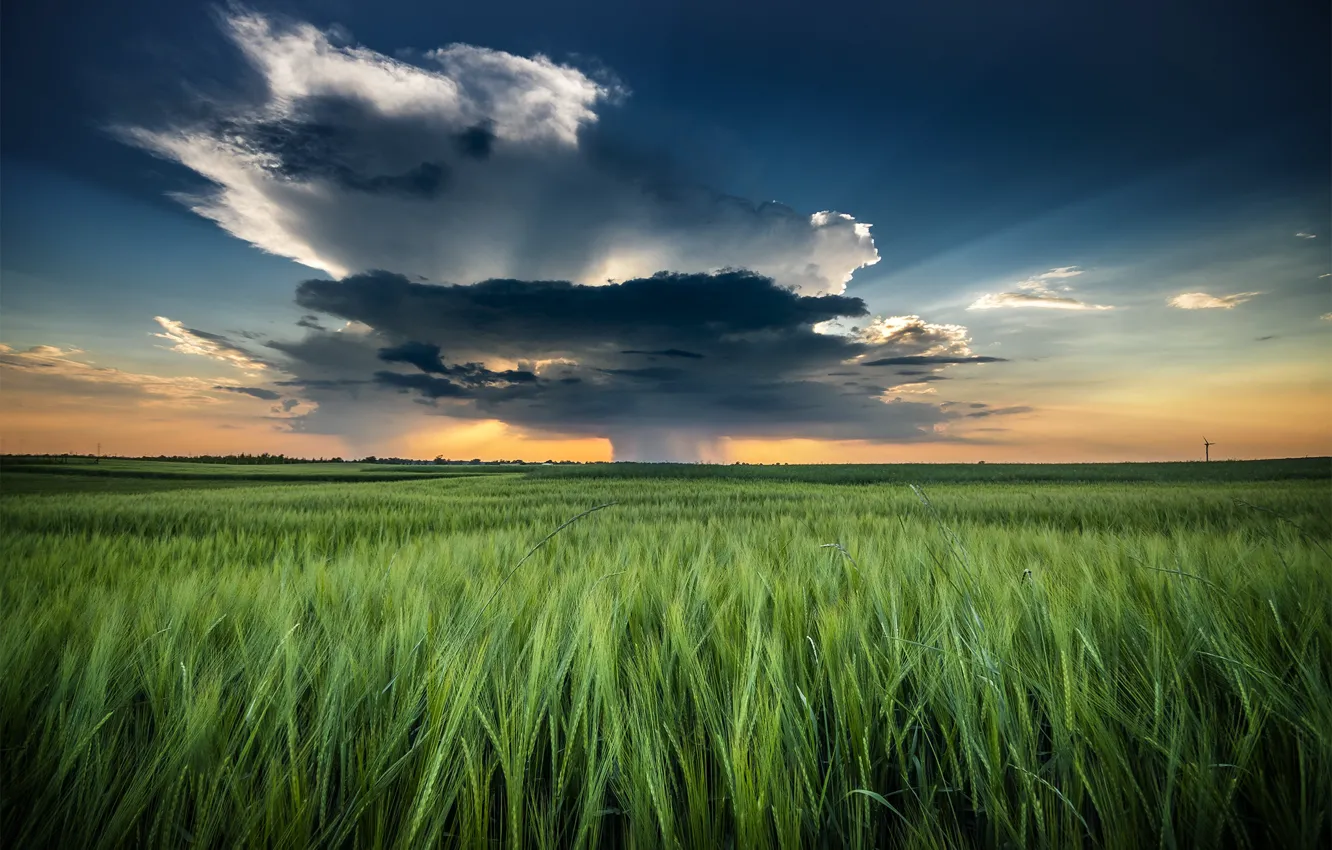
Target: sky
682, 231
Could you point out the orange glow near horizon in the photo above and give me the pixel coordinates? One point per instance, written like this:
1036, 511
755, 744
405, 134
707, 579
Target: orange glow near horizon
492, 439
43, 432
1059, 435
1248, 414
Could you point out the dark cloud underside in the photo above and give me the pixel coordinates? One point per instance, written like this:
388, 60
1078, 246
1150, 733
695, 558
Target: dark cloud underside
255, 392
737, 355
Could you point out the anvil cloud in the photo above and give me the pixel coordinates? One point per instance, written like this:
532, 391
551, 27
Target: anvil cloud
475, 164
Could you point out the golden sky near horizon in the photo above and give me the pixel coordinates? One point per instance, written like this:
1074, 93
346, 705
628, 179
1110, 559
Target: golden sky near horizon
1248, 414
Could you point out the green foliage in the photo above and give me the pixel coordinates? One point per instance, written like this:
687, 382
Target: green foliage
1000, 665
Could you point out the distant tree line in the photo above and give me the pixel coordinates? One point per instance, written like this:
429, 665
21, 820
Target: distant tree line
440, 460
242, 459
266, 458
238, 460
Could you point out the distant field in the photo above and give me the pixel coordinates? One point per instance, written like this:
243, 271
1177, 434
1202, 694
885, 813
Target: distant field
18, 476
1001, 664
1317, 468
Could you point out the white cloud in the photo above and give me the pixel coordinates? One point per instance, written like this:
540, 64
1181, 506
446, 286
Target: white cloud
1203, 301
1048, 301
476, 166
190, 341
898, 329
1303, 235
1036, 292
906, 335
1056, 274
526, 99
907, 389
914, 335
1326, 317
1327, 274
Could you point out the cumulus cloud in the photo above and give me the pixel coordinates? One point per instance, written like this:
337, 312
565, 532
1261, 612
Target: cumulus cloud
905, 332
662, 366
476, 164
1036, 291
1305, 235
205, 344
1203, 301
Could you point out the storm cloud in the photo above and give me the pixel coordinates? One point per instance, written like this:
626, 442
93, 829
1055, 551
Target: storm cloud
668, 312
496, 255
737, 356
473, 164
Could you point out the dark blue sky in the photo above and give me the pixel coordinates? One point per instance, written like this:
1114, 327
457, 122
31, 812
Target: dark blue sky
1154, 146
937, 121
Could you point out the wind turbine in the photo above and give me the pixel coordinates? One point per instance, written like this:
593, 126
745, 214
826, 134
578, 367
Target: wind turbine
1207, 449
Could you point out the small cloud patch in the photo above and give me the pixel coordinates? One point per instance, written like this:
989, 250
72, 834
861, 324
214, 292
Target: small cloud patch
253, 392
1037, 291
1204, 301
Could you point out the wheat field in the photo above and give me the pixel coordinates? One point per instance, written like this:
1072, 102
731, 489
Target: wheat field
693, 663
